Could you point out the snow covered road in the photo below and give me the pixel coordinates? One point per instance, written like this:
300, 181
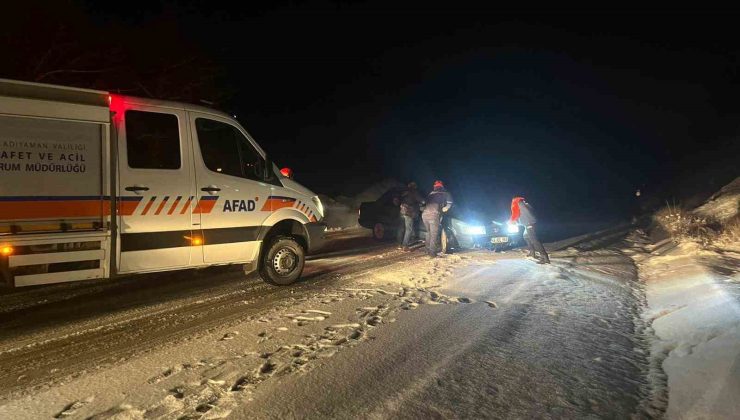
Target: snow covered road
532, 342
375, 333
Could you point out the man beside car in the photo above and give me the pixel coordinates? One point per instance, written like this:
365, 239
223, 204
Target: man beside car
410, 203
438, 201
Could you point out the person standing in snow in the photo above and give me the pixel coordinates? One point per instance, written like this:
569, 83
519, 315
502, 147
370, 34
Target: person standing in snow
523, 214
410, 202
438, 201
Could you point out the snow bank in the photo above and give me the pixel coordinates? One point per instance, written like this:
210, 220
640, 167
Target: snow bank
724, 205
695, 314
692, 292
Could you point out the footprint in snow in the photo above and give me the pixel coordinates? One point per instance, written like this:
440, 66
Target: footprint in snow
229, 336
72, 408
166, 374
178, 392
491, 304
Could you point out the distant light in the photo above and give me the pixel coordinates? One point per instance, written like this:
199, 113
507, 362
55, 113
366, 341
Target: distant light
6, 250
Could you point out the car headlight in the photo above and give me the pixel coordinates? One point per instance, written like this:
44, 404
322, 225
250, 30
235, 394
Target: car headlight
473, 229
512, 228
319, 206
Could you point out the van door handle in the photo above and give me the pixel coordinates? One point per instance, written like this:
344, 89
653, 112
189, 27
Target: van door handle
210, 189
137, 188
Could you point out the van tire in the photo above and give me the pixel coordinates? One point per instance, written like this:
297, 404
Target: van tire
282, 261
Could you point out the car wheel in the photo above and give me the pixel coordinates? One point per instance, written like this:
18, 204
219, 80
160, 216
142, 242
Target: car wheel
379, 231
282, 261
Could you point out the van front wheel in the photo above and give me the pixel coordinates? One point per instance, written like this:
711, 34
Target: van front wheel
282, 261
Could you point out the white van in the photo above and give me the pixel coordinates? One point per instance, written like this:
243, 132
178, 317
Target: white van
96, 185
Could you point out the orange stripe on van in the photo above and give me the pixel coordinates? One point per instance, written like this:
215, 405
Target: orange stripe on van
186, 206
148, 205
174, 205
205, 205
277, 204
125, 208
161, 206
20, 208
11, 210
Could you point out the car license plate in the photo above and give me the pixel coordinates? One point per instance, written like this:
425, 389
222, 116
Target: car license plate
500, 240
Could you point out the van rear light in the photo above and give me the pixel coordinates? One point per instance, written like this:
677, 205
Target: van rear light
6, 250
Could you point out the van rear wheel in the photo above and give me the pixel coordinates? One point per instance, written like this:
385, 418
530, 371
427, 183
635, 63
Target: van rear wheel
282, 261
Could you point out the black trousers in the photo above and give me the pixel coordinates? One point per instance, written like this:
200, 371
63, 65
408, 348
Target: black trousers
530, 235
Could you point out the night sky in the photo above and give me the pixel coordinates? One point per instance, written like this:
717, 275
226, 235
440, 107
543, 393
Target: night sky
573, 110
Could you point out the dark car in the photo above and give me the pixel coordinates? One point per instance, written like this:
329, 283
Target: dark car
460, 229
382, 215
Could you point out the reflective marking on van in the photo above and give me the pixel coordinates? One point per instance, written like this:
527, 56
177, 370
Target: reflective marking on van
161, 205
61, 207
127, 205
205, 204
186, 206
148, 205
174, 205
276, 202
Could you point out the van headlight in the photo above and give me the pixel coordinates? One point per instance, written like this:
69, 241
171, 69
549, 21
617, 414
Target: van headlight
319, 206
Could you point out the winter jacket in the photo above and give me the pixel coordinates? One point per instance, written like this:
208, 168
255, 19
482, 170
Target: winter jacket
522, 212
438, 201
527, 217
410, 201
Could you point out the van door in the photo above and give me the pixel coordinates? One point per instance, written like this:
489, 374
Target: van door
155, 188
231, 192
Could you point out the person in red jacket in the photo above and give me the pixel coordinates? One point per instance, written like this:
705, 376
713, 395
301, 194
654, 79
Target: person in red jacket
523, 214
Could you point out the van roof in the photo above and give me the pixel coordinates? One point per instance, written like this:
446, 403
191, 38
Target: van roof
172, 105
42, 91
30, 90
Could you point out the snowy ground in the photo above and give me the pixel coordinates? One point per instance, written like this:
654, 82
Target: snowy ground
693, 298
371, 333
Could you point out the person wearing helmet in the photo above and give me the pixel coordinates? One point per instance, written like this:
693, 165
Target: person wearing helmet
438, 201
410, 202
523, 214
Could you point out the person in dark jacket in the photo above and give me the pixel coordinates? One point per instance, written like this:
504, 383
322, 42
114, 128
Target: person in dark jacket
522, 213
438, 201
410, 202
